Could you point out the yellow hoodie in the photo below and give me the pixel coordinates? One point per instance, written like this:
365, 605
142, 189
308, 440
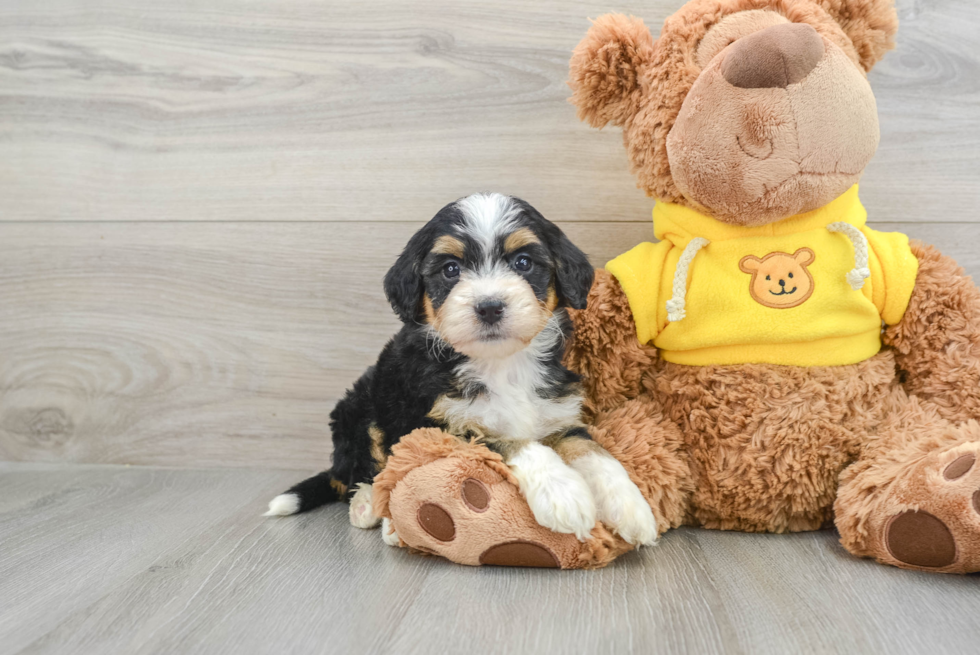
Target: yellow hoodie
810, 290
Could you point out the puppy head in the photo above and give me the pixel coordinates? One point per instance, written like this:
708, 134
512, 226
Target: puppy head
487, 273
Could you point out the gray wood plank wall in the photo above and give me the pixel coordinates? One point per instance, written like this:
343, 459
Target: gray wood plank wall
197, 203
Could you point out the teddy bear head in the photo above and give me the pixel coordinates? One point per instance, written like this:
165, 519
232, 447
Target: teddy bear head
748, 110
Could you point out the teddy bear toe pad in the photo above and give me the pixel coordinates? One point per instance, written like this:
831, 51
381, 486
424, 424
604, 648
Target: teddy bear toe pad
520, 553
942, 532
436, 521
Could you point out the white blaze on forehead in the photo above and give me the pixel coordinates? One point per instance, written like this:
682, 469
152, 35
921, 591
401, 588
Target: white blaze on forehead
487, 217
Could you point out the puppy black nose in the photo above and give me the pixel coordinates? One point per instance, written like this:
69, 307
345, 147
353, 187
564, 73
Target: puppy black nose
490, 311
782, 283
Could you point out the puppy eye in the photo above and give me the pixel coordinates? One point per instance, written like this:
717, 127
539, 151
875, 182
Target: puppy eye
523, 263
451, 270
791, 275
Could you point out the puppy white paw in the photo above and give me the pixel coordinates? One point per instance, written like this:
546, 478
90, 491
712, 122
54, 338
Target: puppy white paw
558, 496
283, 505
630, 517
388, 534
620, 504
362, 509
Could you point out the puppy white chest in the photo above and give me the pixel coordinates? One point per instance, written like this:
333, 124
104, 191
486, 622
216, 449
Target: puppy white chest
508, 405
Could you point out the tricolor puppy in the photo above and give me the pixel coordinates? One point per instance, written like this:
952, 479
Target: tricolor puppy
482, 291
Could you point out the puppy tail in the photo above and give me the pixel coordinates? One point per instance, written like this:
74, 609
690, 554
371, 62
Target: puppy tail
309, 494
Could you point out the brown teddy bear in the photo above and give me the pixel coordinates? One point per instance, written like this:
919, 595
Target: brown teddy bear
739, 368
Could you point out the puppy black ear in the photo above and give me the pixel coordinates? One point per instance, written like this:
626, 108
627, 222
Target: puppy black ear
403, 281
573, 271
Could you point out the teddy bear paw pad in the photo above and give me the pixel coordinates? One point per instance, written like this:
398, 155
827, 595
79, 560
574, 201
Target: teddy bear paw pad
943, 532
437, 522
920, 539
520, 553
476, 495
960, 466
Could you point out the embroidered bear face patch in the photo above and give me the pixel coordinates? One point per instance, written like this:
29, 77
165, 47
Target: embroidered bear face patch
780, 280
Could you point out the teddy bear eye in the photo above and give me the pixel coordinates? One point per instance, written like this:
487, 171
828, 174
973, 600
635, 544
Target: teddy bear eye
791, 276
767, 277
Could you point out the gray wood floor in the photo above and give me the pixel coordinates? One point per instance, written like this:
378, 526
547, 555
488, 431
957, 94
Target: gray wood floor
100, 559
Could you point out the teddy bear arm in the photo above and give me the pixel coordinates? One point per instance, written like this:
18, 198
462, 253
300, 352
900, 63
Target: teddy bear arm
937, 342
605, 350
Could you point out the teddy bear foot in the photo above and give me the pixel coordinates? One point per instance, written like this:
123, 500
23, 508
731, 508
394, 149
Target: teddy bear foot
933, 521
454, 499
458, 510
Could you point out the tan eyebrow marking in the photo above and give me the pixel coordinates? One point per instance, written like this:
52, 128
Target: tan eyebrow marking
447, 245
520, 238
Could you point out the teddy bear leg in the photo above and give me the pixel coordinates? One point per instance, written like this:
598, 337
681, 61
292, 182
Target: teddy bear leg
937, 342
912, 500
443, 496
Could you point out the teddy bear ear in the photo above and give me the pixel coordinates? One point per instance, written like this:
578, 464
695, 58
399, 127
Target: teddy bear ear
606, 68
870, 24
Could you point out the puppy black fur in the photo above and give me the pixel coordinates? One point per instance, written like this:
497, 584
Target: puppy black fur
415, 368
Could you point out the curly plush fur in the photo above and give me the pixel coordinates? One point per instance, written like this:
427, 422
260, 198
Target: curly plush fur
937, 344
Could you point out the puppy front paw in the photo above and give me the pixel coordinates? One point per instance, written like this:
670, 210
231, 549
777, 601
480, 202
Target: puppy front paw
388, 534
620, 504
562, 503
558, 496
629, 516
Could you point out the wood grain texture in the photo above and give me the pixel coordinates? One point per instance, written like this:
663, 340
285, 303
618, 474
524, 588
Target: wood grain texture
144, 560
124, 110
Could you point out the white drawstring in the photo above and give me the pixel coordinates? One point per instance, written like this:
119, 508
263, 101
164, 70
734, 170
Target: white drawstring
675, 306
860, 272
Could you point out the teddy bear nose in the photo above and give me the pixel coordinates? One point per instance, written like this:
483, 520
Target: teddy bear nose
774, 57
782, 283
